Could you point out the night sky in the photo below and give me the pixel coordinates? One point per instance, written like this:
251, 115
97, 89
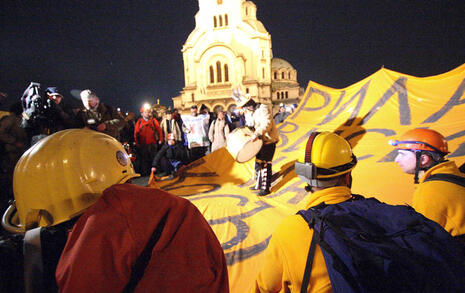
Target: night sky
128, 51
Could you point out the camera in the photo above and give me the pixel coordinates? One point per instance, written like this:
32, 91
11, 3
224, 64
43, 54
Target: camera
37, 111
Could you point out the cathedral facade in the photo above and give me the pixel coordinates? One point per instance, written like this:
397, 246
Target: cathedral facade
230, 49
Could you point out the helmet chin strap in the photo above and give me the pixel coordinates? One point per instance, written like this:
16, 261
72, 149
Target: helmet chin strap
320, 183
417, 167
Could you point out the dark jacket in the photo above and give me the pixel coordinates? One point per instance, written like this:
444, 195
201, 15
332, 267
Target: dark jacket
103, 114
62, 117
175, 152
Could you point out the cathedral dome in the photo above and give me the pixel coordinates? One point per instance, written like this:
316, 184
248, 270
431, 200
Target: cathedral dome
278, 63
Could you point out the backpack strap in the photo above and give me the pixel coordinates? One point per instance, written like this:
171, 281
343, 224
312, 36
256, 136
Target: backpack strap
143, 260
448, 178
318, 238
309, 263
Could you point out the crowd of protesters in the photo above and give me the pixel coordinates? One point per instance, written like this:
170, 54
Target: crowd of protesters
160, 140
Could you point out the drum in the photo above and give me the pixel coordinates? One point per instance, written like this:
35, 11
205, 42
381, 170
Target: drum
240, 145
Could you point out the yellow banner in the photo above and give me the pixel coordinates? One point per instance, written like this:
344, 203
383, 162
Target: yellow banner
368, 114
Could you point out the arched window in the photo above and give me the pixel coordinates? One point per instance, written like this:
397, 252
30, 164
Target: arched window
214, 21
263, 72
287, 96
246, 11
221, 20
218, 71
282, 75
275, 75
226, 19
289, 75
277, 95
226, 73
212, 75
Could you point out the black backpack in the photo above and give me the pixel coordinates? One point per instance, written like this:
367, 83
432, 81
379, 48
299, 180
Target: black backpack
369, 246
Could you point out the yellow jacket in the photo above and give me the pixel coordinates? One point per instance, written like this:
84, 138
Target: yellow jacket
441, 201
286, 255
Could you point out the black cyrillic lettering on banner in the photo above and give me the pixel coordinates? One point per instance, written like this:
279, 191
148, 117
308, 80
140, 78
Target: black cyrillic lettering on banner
335, 111
454, 101
460, 151
311, 91
404, 107
295, 145
282, 130
242, 230
389, 157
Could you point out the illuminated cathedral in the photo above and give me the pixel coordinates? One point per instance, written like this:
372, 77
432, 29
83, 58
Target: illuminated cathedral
230, 49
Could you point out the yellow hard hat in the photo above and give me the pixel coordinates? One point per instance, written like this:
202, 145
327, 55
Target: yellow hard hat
327, 155
63, 174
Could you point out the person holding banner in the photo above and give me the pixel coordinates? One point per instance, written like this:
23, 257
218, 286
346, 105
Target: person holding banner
344, 242
440, 194
259, 118
287, 250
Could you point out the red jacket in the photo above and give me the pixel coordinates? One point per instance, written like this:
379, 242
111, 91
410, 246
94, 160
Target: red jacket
147, 132
108, 238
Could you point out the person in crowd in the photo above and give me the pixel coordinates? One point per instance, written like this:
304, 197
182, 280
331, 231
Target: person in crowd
178, 119
204, 111
169, 158
218, 132
148, 137
286, 254
169, 125
127, 133
240, 118
440, 193
14, 141
89, 230
281, 115
258, 117
61, 116
196, 128
98, 116
230, 118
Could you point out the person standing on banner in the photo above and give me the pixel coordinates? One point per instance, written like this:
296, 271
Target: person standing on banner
196, 128
440, 193
259, 118
148, 137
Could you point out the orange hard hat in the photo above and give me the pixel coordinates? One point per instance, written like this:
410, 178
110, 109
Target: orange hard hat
422, 139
